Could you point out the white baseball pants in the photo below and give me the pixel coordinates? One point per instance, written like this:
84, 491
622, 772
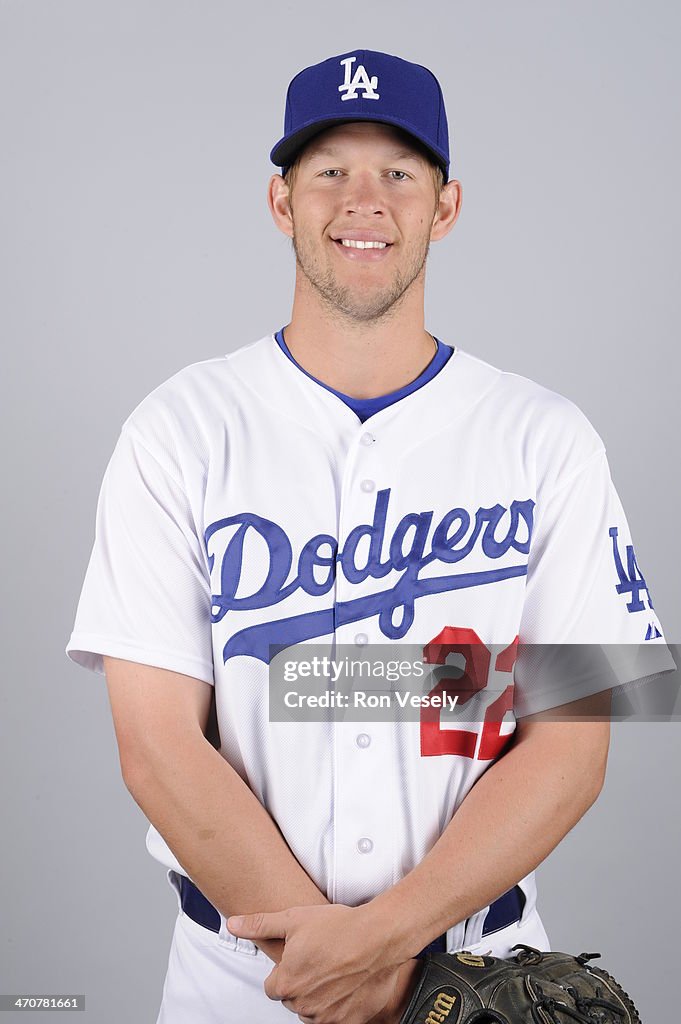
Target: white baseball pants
218, 979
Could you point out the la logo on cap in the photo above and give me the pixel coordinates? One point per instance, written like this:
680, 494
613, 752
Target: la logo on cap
360, 80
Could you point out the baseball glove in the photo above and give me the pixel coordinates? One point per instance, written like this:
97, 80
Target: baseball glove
532, 987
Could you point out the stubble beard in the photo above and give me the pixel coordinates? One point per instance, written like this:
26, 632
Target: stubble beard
360, 304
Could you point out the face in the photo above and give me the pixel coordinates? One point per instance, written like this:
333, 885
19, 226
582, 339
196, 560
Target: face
363, 183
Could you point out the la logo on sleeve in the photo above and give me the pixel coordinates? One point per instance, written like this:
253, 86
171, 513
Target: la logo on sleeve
631, 580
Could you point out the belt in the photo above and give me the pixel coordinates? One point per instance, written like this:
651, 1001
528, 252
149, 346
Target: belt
504, 911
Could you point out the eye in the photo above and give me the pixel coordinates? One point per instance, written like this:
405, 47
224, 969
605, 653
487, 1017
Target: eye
403, 173
331, 170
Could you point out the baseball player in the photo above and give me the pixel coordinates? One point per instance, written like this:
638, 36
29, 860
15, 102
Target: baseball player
351, 479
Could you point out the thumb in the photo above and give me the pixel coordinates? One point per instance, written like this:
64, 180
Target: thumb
258, 926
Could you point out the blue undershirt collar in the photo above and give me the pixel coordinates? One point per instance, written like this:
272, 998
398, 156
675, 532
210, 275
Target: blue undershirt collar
366, 407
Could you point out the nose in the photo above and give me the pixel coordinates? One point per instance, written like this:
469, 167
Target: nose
364, 195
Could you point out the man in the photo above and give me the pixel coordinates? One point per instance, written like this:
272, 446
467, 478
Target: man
352, 479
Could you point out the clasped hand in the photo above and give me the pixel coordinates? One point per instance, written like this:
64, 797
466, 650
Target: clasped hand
335, 966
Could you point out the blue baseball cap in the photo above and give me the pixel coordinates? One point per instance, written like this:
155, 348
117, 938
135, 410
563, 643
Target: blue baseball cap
364, 85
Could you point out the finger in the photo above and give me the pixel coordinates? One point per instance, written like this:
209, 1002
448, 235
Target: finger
289, 1004
271, 984
258, 926
277, 987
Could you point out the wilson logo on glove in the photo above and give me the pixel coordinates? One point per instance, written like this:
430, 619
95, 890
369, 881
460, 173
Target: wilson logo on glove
533, 986
440, 1009
471, 959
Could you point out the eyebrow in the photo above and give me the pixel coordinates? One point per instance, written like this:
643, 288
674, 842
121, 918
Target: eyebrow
396, 154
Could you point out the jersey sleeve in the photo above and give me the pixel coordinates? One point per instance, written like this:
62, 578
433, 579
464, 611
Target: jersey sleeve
588, 606
146, 595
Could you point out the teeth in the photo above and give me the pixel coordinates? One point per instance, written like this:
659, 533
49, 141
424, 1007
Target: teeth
354, 243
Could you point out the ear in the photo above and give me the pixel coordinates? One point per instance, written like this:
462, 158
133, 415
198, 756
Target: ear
448, 209
278, 202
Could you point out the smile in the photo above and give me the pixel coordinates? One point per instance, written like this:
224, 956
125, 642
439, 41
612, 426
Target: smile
354, 243
364, 252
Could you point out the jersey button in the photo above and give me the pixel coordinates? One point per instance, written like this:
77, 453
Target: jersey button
365, 845
367, 439
367, 485
363, 740
361, 639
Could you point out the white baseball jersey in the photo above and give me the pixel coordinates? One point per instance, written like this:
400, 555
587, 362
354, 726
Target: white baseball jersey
246, 505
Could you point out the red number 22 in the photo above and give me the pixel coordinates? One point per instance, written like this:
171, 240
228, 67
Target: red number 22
466, 642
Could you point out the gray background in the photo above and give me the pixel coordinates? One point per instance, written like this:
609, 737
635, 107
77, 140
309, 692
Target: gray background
136, 239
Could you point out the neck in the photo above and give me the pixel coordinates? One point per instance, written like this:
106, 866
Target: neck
362, 359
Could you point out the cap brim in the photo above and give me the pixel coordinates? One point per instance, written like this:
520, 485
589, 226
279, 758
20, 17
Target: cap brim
284, 152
